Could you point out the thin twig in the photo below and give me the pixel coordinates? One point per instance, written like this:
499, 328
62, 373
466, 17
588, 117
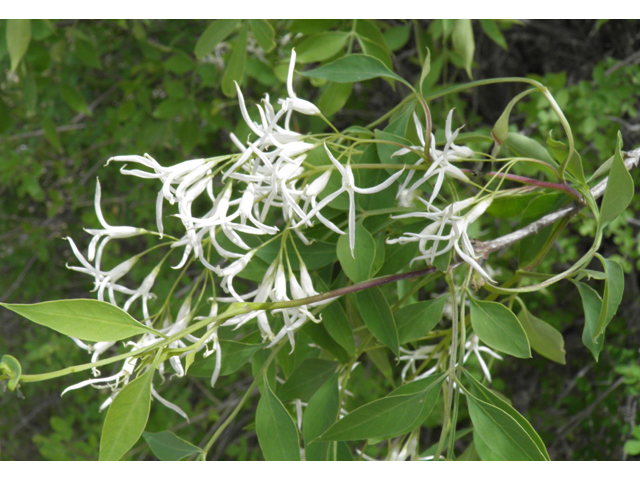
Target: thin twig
485, 248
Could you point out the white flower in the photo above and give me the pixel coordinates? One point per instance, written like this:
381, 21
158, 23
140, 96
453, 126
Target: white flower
456, 238
108, 232
348, 185
144, 292
293, 102
440, 159
472, 347
105, 280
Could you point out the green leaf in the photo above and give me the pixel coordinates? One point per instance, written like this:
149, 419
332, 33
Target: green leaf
463, 43
337, 324
632, 447
380, 359
499, 328
310, 375
83, 318
234, 356
179, 64
321, 412
561, 152
426, 68
523, 146
592, 304
87, 53
257, 368
10, 366
320, 47
613, 291
264, 33
357, 266
397, 257
353, 68
416, 320
334, 97
18, 38
167, 446
372, 42
51, 133
396, 414
236, 65
320, 336
491, 29
544, 339
619, 190
277, 433
377, 315
74, 99
500, 432
483, 393
397, 37
215, 33
126, 418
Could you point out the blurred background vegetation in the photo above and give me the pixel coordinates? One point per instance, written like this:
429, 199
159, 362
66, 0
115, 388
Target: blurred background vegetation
87, 90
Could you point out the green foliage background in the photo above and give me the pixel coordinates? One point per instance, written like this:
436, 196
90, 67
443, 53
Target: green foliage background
88, 90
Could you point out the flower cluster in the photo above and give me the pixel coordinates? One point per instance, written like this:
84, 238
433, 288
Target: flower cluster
268, 190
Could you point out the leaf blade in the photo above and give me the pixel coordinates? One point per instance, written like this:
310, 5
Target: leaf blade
83, 318
126, 418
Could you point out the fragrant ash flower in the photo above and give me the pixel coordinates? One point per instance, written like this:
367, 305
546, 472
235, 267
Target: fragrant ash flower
108, 232
348, 185
472, 347
456, 235
440, 166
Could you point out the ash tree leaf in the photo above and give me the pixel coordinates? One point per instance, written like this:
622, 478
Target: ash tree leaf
560, 151
336, 322
334, 97
18, 39
544, 339
264, 33
492, 30
483, 393
277, 433
126, 418
398, 413
463, 43
377, 315
51, 133
613, 291
215, 33
357, 266
499, 328
167, 446
320, 414
236, 66
310, 375
74, 99
83, 318
354, 68
523, 146
418, 319
592, 305
619, 191
320, 47
499, 432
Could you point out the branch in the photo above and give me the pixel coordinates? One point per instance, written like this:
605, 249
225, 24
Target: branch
485, 248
